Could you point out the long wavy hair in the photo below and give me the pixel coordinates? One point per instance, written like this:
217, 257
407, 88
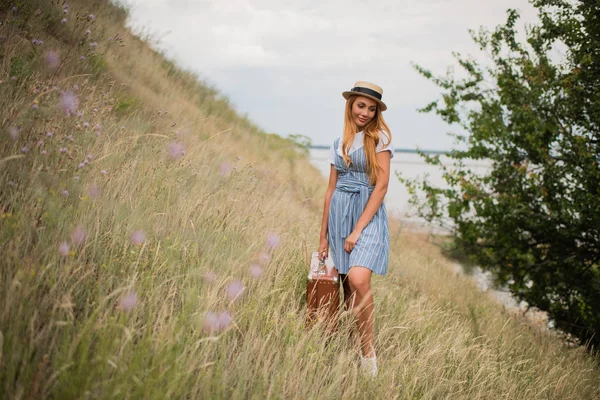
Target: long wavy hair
371, 138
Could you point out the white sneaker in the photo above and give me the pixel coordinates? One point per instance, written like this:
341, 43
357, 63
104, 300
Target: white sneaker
368, 366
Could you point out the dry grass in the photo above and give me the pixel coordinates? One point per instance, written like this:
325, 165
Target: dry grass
123, 317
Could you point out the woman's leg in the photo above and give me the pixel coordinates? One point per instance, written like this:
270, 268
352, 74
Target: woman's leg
359, 279
347, 291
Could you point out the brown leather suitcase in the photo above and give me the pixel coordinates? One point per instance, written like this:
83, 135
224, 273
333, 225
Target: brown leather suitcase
322, 293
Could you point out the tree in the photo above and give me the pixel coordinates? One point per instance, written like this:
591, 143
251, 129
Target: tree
534, 113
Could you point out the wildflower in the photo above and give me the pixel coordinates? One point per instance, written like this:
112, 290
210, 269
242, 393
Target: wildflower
63, 249
52, 59
234, 289
78, 236
44, 152
225, 168
37, 42
273, 240
129, 301
75, 87
176, 150
62, 150
63, 21
25, 149
82, 58
65, 10
68, 102
138, 237
86, 124
94, 191
264, 258
93, 44
49, 134
210, 277
70, 137
89, 157
88, 32
35, 106
81, 165
13, 132
256, 270
95, 110
103, 172
214, 322
91, 17
65, 193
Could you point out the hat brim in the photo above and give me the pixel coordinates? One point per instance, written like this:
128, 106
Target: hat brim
382, 105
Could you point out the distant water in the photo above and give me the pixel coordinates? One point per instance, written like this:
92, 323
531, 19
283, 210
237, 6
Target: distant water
410, 165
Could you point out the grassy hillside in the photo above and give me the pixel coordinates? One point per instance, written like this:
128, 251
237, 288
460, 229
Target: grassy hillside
154, 244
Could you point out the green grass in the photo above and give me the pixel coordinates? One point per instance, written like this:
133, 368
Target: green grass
116, 317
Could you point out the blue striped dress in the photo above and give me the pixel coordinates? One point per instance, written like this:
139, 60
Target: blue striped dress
349, 199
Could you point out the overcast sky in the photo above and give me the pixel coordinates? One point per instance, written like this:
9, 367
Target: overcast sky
286, 63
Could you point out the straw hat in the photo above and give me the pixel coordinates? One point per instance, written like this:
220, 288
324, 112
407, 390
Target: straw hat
367, 89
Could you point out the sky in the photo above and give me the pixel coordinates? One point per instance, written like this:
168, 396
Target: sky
286, 63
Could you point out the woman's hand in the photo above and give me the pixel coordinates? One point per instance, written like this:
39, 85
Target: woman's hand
351, 240
323, 249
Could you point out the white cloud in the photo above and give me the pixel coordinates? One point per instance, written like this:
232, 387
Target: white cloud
296, 56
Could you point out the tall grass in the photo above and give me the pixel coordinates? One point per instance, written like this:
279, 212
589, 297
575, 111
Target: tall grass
154, 245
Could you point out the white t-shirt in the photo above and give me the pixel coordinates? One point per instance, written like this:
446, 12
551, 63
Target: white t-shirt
358, 143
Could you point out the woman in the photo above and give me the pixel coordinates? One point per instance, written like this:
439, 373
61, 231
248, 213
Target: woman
355, 222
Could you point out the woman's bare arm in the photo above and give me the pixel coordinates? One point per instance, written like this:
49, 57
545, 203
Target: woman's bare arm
333, 176
381, 187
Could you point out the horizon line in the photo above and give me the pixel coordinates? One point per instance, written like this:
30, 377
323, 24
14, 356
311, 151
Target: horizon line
398, 150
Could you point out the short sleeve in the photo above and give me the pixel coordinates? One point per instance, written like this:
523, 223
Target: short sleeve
331, 157
383, 140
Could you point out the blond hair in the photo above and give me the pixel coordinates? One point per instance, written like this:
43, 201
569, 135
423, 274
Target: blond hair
371, 138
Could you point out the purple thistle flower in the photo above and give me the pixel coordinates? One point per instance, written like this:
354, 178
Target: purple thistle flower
25, 149
129, 301
211, 322
91, 17
62, 150
52, 59
88, 32
65, 193
44, 152
75, 87
264, 258
65, 10
78, 236
35, 106
103, 172
82, 58
176, 150
86, 124
68, 102
225, 169
138, 237
49, 134
225, 320
234, 289
273, 240
63, 21
256, 270
94, 191
63, 249
70, 137
89, 157
13, 132
214, 322
93, 44
81, 165
210, 277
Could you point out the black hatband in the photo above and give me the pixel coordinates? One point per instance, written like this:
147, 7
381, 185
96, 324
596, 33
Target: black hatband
370, 92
